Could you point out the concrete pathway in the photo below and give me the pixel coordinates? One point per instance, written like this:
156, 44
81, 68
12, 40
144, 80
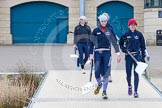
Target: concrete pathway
62, 89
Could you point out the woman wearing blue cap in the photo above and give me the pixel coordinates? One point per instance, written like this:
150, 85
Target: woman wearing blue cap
101, 40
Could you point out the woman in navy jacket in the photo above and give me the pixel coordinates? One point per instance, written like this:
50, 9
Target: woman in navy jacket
134, 42
82, 33
101, 40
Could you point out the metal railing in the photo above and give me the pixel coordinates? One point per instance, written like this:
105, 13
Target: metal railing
147, 72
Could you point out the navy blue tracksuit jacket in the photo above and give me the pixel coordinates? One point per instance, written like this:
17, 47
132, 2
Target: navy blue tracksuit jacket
133, 42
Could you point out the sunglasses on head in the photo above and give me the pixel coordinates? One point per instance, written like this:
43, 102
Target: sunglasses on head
103, 21
133, 24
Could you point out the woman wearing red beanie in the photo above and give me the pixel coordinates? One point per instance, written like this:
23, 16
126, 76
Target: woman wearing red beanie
134, 42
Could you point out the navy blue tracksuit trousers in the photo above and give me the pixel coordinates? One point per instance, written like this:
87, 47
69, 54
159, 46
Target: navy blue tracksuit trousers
129, 64
102, 59
83, 49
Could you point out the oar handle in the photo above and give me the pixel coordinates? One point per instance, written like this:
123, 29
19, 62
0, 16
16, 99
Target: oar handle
90, 78
75, 49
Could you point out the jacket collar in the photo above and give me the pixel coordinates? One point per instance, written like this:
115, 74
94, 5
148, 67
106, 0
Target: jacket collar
131, 31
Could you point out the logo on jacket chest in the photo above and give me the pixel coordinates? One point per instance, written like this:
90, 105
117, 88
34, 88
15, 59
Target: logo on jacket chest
128, 37
107, 33
136, 37
98, 33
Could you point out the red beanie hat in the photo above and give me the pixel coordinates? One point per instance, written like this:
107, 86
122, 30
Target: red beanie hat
132, 21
